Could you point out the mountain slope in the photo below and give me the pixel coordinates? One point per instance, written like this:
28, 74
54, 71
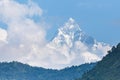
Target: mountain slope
19, 71
75, 46
108, 68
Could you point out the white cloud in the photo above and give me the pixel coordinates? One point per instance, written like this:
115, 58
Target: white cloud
3, 35
9, 9
24, 40
23, 34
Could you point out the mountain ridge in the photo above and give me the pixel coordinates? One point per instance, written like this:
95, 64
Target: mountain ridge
17, 71
108, 68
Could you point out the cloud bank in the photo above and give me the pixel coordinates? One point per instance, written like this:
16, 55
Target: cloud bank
24, 40
23, 34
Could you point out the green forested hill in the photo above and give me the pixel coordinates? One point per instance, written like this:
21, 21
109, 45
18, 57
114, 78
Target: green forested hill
19, 71
107, 69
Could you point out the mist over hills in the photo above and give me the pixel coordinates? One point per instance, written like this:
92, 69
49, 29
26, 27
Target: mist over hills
106, 69
71, 46
26, 25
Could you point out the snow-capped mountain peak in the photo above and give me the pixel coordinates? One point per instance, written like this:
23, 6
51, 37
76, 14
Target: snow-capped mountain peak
76, 46
67, 34
70, 33
70, 26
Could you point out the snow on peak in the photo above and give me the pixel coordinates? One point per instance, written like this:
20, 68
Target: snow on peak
71, 20
75, 46
71, 25
69, 33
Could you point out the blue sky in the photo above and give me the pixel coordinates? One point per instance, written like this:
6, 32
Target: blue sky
98, 18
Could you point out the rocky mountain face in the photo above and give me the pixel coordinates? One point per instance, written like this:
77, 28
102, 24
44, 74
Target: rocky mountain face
76, 45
